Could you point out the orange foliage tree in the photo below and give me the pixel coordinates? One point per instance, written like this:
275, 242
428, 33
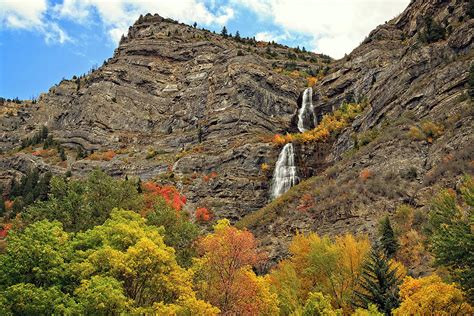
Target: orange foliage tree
431, 296
224, 276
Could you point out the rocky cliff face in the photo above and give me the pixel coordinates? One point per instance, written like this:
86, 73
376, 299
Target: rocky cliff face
174, 103
415, 137
182, 105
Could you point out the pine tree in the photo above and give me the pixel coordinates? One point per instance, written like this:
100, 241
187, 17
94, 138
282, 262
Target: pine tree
15, 189
388, 240
2, 206
62, 154
237, 36
379, 283
224, 32
195, 24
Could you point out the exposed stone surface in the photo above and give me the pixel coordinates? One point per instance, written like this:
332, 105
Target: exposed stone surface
183, 105
407, 82
198, 102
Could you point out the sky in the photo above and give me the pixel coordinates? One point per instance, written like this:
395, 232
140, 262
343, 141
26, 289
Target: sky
44, 41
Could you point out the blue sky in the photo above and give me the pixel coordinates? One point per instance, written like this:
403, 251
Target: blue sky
43, 41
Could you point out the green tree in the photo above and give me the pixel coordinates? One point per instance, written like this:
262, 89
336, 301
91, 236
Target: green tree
28, 299
388, 241
237, 36
450, 234
224, 32
2, 206
471, 75
102, 295
37, 255
180, 233
433, 31
128, 250
319, 305
379, 283
62, 154
83, 204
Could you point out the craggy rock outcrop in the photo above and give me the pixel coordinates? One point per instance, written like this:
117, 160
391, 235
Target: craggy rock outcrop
177, 104
413, 85
182, 105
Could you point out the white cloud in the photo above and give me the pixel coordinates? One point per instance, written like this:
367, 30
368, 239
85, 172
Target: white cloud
30, 15
336, 26
118, 15
270, 36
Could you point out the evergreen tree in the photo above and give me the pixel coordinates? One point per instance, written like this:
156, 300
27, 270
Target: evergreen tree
388, 240
15, 189
378, 284
44, 132
62, 154
195, 24
80, 153
2, 206
450, 234
224, 32
237, 36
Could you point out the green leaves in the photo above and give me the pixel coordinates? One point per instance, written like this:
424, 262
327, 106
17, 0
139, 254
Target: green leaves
38, 255
451, 236
81, 205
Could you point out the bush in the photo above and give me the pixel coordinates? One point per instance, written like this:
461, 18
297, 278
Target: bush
433, 31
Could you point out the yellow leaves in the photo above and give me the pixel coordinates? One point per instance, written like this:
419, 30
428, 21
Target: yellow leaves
431, 296
311, 81
264, 167
427, 130
331, 266
331, 123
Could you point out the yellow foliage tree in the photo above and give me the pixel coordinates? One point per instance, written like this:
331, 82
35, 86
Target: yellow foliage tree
431, 296
321, 265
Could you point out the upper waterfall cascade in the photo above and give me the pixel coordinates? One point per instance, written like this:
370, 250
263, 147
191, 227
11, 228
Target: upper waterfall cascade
306, 116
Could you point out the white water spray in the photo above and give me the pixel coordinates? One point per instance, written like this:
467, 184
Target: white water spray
285, 175
306, 117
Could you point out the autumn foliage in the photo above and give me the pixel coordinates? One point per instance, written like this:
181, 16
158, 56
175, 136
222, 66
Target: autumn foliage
431, 296
330, 124
224, 275
203, 214
169, 193
103, 156
4, 230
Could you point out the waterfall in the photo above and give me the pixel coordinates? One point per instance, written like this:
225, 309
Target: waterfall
306, 117
284, 176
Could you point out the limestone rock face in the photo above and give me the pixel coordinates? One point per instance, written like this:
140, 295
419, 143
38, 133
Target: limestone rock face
182, 105
409, 83
176, 104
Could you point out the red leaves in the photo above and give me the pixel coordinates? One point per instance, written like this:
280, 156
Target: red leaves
4, 230
203, 214
169, 193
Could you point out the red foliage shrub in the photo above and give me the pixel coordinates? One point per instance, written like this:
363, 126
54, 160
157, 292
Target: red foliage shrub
4, 230
169, 193
365, 174
203, 214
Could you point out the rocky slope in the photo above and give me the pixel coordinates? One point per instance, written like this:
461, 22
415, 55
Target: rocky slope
186, 106
176, 104
415, 137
